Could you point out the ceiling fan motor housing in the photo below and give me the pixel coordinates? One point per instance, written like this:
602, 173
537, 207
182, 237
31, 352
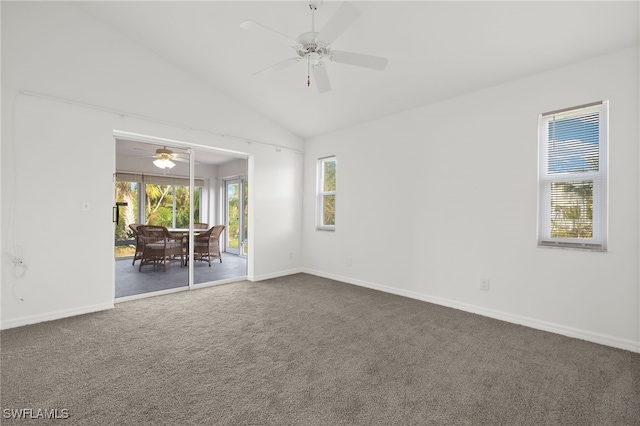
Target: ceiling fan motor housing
164, 152
309, 43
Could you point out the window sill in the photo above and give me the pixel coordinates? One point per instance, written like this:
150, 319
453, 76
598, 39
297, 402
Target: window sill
572, 245
326, 228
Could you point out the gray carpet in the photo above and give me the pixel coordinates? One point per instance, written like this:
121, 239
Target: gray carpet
303, 350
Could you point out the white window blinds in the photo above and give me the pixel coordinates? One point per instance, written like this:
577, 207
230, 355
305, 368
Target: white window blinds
156, 179
572, 177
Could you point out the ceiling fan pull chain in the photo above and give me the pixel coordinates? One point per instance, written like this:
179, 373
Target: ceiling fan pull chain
308, 72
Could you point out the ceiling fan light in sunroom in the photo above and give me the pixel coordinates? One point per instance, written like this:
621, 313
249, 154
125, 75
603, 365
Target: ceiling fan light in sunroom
164, 163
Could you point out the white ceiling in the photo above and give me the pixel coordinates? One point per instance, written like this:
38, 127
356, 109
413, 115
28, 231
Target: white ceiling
142, 150
436, 50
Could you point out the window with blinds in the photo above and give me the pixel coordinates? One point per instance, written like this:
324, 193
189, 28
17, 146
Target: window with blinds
326, 204
572, 177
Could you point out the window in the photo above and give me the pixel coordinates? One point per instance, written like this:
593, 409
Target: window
168, 205
326, 216
572, 177
154, 200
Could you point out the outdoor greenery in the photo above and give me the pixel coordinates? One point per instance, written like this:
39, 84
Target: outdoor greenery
245, 214
159, 209
233, 201
159, 205
233, 213
329, 200
572, 209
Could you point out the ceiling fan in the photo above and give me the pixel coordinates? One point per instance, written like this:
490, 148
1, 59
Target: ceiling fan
314, 47
164, 157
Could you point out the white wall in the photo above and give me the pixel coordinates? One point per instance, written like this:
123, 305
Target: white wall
57, 155
432, 199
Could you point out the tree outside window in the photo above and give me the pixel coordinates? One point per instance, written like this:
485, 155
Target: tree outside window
164, 205
572, 177
327, 170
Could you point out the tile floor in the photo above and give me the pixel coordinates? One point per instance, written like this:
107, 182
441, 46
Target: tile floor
129, 281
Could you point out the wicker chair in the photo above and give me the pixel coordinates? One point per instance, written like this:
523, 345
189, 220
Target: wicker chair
206, 245
160, 247
139, 244
200, 225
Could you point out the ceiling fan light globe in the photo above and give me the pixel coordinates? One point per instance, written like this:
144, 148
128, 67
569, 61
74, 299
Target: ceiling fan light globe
164, 163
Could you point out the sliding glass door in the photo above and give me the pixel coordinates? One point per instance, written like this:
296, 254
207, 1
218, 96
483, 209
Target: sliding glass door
148, 194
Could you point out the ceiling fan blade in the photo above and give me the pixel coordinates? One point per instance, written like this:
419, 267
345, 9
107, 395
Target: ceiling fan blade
139, 156
321, 78
340, 21
184, 160
280, 65
268, 32
359, 60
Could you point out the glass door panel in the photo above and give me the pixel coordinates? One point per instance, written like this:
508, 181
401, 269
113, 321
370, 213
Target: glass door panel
233, 216
244, 245
126, 211
157, 197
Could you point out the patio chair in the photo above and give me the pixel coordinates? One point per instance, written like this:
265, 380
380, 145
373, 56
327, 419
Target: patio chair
206, 245
160, 247
200, 225
139, 245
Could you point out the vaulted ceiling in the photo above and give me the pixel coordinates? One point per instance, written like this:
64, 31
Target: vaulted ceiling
436, 50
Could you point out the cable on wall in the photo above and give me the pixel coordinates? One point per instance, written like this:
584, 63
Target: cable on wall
124, 114
20, 268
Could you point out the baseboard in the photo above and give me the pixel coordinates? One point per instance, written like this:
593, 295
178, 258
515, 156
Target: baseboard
278, 274
50, 316
589, 336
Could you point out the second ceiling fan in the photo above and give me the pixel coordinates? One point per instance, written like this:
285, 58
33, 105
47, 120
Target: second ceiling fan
313, 47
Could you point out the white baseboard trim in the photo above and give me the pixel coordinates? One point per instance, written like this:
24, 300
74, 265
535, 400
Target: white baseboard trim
50, 316
589, 336
255, 278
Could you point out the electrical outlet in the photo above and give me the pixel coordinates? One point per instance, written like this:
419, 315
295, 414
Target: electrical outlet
349, 261
484, 284
290, 255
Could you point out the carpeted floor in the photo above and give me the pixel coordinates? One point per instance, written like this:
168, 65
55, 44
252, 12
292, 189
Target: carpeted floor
303, 350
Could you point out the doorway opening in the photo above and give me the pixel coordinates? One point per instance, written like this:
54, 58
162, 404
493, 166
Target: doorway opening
185, 198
